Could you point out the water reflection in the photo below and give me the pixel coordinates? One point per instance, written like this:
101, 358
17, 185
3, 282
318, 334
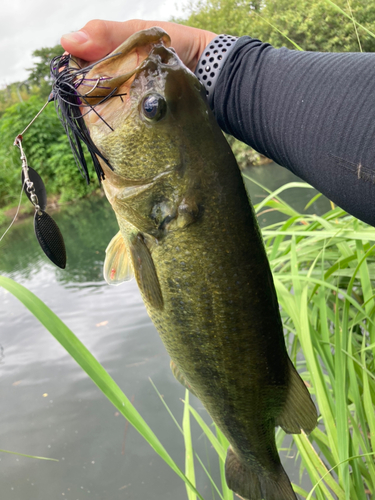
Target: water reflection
20, 251
87, 227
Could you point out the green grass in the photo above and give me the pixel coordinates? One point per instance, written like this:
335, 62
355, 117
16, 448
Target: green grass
324, 272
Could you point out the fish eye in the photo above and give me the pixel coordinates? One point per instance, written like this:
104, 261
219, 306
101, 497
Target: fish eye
154, 107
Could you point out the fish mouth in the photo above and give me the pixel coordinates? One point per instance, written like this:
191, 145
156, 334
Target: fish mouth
87, 94
113, 75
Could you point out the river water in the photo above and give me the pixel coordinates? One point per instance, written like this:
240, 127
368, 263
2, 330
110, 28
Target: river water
49, 406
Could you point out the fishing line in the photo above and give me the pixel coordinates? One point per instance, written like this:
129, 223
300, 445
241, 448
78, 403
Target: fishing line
35, 117
15, 217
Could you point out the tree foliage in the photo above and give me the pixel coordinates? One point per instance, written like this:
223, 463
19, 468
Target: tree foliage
40, 72
221, 16
314, 25
38, 83
13, 93
317, 25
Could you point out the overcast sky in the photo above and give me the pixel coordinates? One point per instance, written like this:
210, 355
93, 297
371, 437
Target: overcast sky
26, 25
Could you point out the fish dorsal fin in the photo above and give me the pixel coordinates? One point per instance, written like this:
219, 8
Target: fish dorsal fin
117, 267
145, 272
299, 411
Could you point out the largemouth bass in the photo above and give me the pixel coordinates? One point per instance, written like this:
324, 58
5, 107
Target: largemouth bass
189, 235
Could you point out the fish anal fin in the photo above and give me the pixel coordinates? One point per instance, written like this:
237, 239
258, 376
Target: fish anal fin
181, 378
299, 411
250, 484
145, 272
117, 267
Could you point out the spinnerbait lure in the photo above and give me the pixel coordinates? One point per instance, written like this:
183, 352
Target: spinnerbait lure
68, 101
46, 230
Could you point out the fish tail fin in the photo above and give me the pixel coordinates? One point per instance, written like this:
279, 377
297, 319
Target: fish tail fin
249, 484
299, 411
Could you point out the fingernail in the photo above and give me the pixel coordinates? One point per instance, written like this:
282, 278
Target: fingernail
76, 37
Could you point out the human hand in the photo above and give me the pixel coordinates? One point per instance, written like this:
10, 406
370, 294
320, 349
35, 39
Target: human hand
98, 38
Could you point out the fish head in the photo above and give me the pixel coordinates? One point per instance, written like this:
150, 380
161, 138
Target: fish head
137, 105
146, 114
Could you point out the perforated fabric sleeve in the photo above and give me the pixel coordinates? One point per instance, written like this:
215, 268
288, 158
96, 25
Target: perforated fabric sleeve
311, 112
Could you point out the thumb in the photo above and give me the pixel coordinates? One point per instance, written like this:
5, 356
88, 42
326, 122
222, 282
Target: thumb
98, 38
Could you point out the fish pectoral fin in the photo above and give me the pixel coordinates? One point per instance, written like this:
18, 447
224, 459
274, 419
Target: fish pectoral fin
249, 483
145, 272
117, 267
180, 378
299, 411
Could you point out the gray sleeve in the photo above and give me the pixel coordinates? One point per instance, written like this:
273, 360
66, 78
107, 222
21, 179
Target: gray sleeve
313, 113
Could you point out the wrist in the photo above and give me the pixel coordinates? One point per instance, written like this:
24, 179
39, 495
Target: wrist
212, 60
205, 40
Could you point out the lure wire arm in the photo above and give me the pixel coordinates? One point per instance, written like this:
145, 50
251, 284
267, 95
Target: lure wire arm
94, 87
25, 168
33, 120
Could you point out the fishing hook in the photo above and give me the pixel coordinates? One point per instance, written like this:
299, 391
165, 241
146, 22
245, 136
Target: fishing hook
94, 87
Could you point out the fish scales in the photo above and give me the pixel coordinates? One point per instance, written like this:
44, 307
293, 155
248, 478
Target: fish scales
190, 236
218, 309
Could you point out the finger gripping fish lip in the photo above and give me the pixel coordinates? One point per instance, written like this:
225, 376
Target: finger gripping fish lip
69, 74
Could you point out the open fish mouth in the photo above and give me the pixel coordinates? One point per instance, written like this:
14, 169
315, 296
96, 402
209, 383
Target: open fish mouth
84, 93
113, 74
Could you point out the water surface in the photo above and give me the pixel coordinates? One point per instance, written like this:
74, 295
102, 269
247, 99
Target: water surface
49, 406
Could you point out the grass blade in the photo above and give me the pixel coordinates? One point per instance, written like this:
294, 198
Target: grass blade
219, 448
227, 493
350, 17
189, 453
317, 469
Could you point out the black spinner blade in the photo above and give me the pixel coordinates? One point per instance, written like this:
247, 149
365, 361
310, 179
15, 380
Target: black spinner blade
40, 190
50, 238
